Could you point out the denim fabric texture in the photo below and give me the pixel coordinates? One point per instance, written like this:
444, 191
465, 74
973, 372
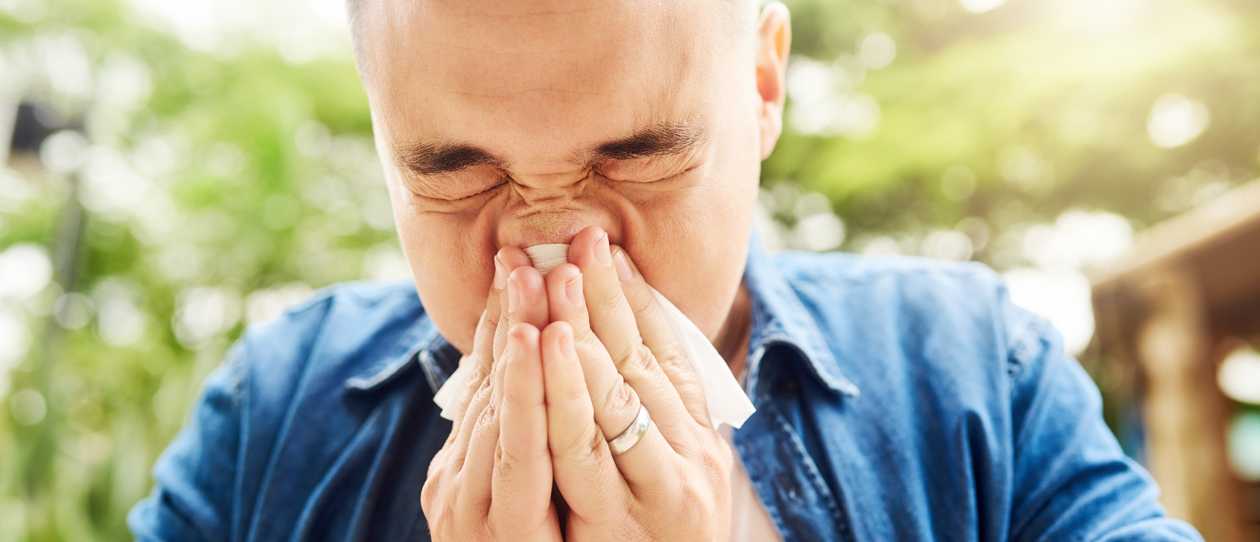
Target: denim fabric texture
897, 399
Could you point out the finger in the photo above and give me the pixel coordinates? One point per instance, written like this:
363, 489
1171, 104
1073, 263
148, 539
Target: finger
615, 402
511, 258
476, 473
489, 327
525, 299
525, 303
526, 306
478, 362
476, 406
522, 468
584, 470
612, 322
593, 481
658, 335
522, 299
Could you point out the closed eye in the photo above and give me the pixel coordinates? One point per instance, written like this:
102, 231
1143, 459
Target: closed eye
652, 179
483, 192
453, 187
654, 168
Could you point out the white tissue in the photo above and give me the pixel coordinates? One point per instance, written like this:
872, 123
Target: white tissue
726, 400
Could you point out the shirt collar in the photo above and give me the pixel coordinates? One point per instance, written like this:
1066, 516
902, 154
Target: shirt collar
422, 342
780, 318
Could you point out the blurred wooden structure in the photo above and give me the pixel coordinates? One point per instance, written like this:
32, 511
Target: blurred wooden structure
1166, 317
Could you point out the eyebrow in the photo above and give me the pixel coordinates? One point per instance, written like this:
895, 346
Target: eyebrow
656, 140
437, 158
660, 139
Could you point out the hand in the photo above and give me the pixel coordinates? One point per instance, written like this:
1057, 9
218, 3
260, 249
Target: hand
608, 348
492, 479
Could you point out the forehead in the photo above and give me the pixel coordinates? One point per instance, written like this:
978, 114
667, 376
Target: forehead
534, 77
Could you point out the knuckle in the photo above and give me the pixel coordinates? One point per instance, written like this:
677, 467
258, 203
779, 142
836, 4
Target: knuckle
642, 357
620, 399
438, 463
490, 320
585, 339
484, 333
428, 497
671, 358
715, 462
609, 298
698, 493
595, 442
509, 458
582, 446
637, 359
715, 475
513, 400
483, 383
708, 498
640, 304
485, 388
486, 419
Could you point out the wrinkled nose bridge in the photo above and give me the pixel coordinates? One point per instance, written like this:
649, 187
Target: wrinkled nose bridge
538, 188
552, 209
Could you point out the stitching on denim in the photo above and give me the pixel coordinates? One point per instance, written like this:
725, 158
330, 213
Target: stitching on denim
797, 449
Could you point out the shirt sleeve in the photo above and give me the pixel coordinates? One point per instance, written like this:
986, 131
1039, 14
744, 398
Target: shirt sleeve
1071, 479
196, 475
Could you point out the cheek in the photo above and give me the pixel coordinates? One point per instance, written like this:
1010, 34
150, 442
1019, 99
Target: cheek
452, 261
693, 248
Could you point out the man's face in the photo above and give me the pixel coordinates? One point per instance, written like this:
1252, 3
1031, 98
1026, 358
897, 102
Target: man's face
521, 123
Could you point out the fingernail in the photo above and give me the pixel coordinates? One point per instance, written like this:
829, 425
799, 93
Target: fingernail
514, 295
601, 252
500, 274
623, 267
573, 290
566, 346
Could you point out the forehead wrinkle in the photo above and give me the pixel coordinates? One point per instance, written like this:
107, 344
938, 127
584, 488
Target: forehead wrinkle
510, 90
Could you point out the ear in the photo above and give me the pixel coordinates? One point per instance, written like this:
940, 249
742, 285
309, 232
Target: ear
774, 39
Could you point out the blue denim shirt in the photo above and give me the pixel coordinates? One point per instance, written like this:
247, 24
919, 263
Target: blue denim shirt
897, 399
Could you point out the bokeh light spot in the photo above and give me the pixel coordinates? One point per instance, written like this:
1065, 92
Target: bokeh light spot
28, 407
877, 50
980, 6
25, 270
1239, 375
1244, 445
1176, 120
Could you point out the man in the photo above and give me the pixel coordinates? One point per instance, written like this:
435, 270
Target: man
896, 399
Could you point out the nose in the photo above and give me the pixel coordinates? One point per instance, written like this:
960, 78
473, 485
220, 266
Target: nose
542, 190
553, 210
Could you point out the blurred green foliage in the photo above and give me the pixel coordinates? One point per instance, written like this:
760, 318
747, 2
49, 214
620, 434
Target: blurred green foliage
222, 176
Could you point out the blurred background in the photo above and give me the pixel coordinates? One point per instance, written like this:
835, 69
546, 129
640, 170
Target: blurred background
172, 171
